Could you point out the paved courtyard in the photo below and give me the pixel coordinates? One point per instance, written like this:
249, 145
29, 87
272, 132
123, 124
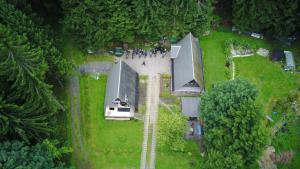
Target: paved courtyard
153, 65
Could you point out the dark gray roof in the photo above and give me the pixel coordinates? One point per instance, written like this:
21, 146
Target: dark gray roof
190, 106
122, 83
187, 63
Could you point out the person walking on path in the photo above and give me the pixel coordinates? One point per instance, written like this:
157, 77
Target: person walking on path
144, 63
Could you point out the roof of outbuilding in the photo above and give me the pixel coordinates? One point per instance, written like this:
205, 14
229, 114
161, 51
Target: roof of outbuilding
187, 62
289, 59
122, 83
190, 106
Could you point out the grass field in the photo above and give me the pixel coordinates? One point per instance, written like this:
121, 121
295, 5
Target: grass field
167, 159
109, 144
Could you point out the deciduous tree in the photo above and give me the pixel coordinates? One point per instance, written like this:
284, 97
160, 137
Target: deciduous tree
233, 120
171, 129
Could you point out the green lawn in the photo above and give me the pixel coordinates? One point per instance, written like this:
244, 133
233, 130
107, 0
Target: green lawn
214, 57
109, 144
167, 159
269, 78
77, 56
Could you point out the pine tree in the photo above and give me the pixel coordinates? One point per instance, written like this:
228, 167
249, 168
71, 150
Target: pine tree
22, 24
274, 18
87, 21
27, 102
150, 18
120, 24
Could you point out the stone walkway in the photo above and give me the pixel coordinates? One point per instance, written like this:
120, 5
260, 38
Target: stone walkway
233, 70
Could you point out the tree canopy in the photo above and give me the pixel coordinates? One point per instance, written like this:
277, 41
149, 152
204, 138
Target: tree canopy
276, 18
233, 122
27, 102
16, 154
100, 23
28, 61
171, 129
37, 36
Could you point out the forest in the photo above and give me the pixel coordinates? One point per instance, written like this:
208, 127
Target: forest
33, 68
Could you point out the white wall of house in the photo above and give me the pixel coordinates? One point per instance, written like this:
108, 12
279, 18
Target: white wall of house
119, 112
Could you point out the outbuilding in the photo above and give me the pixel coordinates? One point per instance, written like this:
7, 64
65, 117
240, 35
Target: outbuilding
121, 92
289, 61
190, 107
187, 67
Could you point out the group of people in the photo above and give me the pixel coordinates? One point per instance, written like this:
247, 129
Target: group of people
144, 53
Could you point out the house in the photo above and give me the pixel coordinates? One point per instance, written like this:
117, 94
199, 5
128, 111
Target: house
188, 81
187, 67
289, 61
121, 92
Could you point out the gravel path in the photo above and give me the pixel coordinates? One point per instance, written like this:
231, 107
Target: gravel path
146, 127
153, 121
152, 101
77, 138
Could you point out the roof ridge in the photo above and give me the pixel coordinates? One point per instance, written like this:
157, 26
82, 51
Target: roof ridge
119, 79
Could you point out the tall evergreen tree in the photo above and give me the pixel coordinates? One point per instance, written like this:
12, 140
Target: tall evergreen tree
100, 23
150, 18
87, 20
119, 25
275, 18
38, 37
191, 16
27, 102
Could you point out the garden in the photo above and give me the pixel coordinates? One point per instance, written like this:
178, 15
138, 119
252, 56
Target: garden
173, 151
107, 144
269, 78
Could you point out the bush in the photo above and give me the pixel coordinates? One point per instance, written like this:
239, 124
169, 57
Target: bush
171, 128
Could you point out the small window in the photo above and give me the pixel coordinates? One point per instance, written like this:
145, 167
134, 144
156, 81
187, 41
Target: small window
111, 108
124, 109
